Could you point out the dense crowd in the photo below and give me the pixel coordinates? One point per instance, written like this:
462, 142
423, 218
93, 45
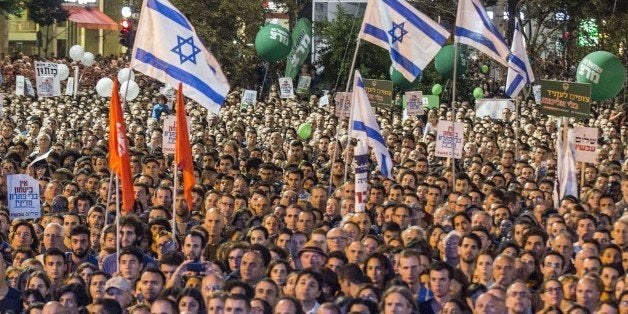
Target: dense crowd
272, 226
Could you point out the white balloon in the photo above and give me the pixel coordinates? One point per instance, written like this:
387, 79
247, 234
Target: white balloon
104, 87
130, 89
88, 59
63, 71
77, 52
123, 75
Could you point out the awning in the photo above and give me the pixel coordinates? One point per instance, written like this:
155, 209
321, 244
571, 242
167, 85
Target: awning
90, 18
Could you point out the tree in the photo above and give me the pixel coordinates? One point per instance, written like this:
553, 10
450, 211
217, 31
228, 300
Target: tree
11, 7
46, 13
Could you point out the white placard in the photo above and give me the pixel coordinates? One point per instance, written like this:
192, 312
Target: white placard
69, 87
286, 90
249, 98
169, 135
343, 104
23, 197
47, 79
536, 91
361, 171
493, 107
449, 138
414, 105
303, 85
586, 143
19, 85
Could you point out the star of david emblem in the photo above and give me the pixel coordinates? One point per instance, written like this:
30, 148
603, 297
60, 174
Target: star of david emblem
185, 52
393, 32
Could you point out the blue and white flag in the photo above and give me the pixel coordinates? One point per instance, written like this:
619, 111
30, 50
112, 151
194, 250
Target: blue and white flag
519, 71
167, 48
364, 126
475, 28
412, 38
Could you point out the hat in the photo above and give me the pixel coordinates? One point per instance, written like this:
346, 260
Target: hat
311, 248
118, 282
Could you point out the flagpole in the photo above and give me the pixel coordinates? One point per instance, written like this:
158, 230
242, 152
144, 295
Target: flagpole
174, 199
108, 198
355, 56
453, 113
117, 223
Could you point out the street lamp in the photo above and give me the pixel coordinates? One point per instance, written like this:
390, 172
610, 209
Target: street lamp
126, 12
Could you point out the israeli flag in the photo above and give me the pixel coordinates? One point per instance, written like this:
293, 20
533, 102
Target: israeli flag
167, 48
412, 38
364, 126
475, 28
519, 71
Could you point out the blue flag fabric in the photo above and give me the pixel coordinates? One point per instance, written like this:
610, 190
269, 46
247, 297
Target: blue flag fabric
168, 49
519, 71
364, 126
412, 38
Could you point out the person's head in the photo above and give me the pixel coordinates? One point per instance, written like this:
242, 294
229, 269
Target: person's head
252, 266
193, 245
308, 286
588, 290
151, 282
518, 298
266, 289
398, 299
237, 303
164, 306
106, 306
130, 262
79, 240
97, 284
440, 277
120, 290
288, 305
54, 264
73, 296
39, 280
131, 230
191, 301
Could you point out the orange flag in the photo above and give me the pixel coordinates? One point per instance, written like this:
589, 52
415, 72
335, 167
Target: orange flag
119, 160
183, 150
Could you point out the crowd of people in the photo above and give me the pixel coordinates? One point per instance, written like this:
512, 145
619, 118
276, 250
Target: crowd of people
272, 226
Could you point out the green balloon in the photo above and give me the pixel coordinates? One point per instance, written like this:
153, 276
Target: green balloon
437, 89
604, 71
304, 131
399, 80
484, 68
273, 43
478, 93
444, 61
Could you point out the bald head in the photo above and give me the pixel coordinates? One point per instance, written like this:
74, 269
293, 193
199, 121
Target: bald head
53, 307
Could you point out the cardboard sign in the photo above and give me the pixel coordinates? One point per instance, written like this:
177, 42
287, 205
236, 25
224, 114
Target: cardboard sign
343, 104
286, 90
449, 139
303, 86
567, 99
414, 103
249, 98
431, 101
493, 107
28, 87
23, 197
47, 79
536, 91
585, 143
169, 135
19, 85
361, 171
379, 92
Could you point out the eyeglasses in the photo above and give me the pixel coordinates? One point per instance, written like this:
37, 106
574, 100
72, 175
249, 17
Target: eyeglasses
553, 290
51, 235
522, 294
336, 239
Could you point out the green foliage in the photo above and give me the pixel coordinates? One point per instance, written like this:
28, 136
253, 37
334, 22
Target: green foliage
11, 7
46, 12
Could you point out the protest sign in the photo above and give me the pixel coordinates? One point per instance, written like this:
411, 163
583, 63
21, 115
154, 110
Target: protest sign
23, 197
536, 91
47, 79
379, 92
169, 135
586, 143
303, 86
343, 104
301, 44
249, 98
493, 107
19, 85
431, 101
567, 99
28, 87
414, 103
286, 90
69, 87
361, 158
449, 139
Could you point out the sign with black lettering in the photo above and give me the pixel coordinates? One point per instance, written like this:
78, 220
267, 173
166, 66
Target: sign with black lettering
23, 197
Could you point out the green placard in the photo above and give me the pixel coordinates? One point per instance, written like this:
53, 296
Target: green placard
301, 43
567, 99
380, 92
431, 101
